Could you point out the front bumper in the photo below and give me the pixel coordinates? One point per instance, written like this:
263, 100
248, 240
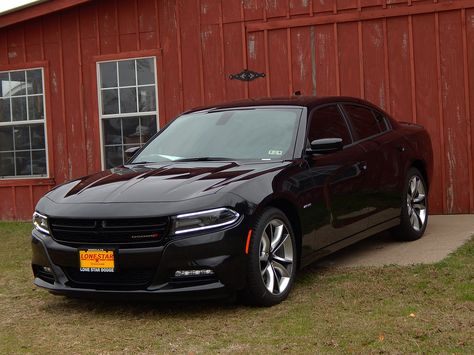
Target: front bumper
147, 272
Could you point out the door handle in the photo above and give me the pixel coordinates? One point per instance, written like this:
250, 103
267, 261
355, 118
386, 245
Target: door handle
363, 165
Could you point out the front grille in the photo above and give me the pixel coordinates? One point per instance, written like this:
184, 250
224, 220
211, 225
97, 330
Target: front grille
109, 231
126, 279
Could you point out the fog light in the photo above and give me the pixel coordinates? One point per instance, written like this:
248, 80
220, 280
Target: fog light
185, 273
47, 269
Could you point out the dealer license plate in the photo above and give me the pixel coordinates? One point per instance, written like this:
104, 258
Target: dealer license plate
96, 260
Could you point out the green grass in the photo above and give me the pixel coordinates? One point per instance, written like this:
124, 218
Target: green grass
392, 309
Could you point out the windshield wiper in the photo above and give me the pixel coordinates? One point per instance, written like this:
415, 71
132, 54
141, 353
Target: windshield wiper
205, 159
139, 162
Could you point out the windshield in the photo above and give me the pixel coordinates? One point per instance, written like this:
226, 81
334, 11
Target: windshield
238, 134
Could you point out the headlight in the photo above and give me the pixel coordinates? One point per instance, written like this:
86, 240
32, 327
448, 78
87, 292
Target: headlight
210, 219
40, 222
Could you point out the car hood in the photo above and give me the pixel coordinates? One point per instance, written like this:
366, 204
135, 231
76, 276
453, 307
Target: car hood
164, 182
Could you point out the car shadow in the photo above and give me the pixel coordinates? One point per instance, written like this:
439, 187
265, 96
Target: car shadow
197, 307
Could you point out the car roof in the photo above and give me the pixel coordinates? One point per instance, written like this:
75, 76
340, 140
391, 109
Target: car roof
302, 101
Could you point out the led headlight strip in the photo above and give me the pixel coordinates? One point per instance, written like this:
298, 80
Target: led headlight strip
203, 220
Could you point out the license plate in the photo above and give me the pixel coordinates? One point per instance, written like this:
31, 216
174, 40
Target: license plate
96, 260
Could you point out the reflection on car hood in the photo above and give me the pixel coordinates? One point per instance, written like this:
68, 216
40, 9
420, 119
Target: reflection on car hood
159, 182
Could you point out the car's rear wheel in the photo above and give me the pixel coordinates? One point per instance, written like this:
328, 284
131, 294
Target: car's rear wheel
271, 259
414, 214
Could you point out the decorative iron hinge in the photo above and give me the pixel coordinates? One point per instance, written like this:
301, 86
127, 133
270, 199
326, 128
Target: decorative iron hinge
246, 75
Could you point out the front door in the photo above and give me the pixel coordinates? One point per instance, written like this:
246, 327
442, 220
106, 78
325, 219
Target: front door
338, 200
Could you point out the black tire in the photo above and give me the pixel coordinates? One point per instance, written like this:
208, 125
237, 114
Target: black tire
408, 230
257, 293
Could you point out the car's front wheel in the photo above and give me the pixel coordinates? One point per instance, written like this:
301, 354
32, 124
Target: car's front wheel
414, 214
271, 259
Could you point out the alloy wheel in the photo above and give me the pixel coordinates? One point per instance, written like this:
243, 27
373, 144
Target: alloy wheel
416, 203
276, 256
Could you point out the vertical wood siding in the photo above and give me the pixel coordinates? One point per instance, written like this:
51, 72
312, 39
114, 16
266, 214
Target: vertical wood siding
414, 58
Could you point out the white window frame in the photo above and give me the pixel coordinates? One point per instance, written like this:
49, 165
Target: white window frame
103, 117
29, 123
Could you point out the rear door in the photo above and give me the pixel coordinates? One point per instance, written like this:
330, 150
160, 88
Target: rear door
374, 136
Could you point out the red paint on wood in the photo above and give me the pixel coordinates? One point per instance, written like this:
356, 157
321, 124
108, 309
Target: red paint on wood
351, 47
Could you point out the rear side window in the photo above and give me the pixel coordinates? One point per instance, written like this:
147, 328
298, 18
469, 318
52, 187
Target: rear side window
364, 122
327, 122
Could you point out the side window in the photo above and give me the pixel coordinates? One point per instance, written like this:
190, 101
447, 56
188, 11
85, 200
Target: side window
22, 124
327, 122
364, 122
381, 121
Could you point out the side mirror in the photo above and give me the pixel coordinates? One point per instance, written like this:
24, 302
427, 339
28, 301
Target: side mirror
325, 146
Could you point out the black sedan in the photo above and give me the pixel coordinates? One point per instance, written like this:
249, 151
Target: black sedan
234, 199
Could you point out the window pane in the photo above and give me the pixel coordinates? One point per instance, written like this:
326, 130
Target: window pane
112, 131
131, 130
17, 83
108, 75
23, 163
128, 100
39, 162
381, 121
327, 122
113, 156
148, 127
22, 137
4, 110
146, 71
35, 81
7, 167
37, 136
19, 109
35, 108
127, 73
146, 95
6, 138
109, 101
362, 120
4, 85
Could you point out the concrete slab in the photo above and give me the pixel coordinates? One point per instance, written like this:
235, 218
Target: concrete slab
443, 235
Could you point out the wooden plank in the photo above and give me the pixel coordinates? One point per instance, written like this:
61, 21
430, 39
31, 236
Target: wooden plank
168, 27
399, 69
22, 203
256, 62
455, 125
6, 203
277, 63
235, 89
374, 62
426, 97
301, 60
107, 23
276, 8
190, 36
469, 83
349, 59
299, 7
324, 44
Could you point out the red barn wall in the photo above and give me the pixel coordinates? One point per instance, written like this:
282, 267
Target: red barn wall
414, 58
